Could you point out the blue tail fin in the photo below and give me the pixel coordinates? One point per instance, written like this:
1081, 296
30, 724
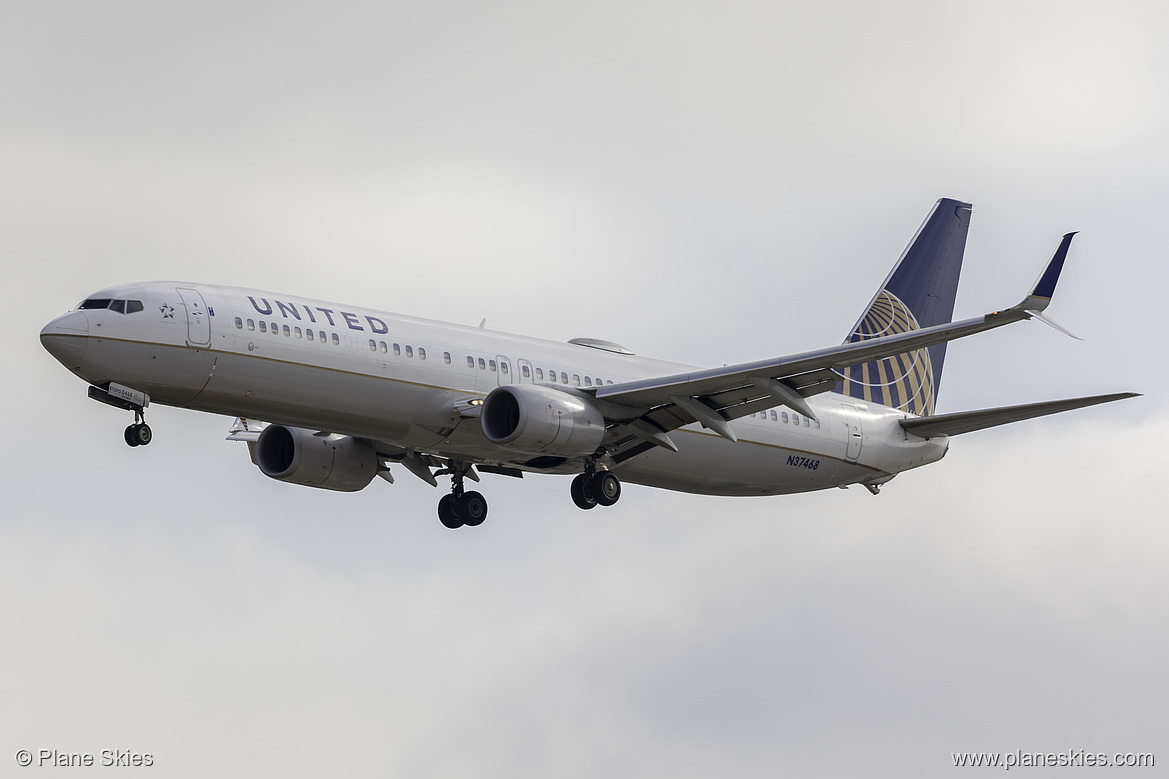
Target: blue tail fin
918, 293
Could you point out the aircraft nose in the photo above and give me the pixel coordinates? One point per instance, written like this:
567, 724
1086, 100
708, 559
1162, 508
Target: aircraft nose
66, 338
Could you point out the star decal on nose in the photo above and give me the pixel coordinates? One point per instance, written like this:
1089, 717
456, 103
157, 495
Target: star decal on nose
167, 311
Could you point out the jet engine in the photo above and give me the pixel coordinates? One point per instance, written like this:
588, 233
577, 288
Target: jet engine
541, 420
329, 462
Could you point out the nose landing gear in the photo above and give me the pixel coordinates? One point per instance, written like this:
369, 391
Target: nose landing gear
118, 396
139, 434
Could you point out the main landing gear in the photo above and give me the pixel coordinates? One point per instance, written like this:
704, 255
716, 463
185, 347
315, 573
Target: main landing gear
461, 508
138, 434
595, 488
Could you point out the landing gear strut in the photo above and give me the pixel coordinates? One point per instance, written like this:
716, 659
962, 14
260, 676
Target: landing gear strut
461, 508
138, 434
595, 487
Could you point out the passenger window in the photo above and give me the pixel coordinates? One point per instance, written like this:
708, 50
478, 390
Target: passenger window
382, 345
491, 364
275, 329
409, 350
563, 377
608, 382
133, 306
785, 417
503, 367
296, 330
806, 422
774, 416
446, 357
336, 340
309, 334
251, 324
421, 353
817, 424
239, 323
321, 333
539, 374
795, 419
372, 345
397, 350
482, 364
526, 371
263, 326
576, 379
287, 331
470, 361
588, 382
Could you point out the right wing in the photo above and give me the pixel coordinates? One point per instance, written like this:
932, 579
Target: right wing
651, 408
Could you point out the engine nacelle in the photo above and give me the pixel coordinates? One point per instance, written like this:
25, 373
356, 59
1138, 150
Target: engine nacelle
541, 420
332, 462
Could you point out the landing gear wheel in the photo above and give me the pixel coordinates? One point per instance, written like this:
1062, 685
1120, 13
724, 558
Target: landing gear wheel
446, 513
581, 495
472, 507
138, 434
605, 487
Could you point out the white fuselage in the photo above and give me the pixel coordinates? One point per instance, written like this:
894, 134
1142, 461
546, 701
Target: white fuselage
401, 380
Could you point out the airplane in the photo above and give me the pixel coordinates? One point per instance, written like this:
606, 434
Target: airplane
346, 392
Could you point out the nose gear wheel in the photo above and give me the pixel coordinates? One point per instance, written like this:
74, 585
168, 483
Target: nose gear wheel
139, 433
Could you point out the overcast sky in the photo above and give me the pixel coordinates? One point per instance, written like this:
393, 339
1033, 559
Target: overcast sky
709, 183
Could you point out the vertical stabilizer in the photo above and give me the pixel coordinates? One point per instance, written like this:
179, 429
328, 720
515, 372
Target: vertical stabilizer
918, 293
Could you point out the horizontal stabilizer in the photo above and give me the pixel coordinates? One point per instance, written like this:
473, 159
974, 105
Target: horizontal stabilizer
969, 421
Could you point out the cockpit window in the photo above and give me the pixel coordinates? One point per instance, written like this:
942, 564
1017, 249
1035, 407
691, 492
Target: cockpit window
121, 306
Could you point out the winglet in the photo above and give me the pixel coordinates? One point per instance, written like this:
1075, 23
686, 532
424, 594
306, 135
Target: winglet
1040, 296
1045, 319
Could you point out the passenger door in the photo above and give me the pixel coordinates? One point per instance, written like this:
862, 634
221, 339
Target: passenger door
853, 432
198, 319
